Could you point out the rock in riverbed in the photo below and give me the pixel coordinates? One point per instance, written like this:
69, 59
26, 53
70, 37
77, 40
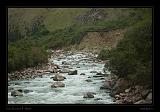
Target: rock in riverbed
82, 74
65, 63
98, 76
88, 80
64, 71
57, 84
93, 72
27, 91
16, 93
106, 85
99, 73
58, 77
88, 95
98, 99
73, 72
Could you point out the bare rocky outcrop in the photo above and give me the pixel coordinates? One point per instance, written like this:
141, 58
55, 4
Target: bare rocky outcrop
92, 15
125, 93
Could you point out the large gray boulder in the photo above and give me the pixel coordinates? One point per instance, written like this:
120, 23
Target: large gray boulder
27, 91
57, 84
82, 74
73, 72
16, 93
93, 72
88, 95
65, 63
98, 76
106, 85
58, 78
88, 80
99, 73
64, 71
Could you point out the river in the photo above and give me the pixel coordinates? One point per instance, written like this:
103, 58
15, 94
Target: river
75, 85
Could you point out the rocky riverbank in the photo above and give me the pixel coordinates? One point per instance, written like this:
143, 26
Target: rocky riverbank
126, 94
50, 67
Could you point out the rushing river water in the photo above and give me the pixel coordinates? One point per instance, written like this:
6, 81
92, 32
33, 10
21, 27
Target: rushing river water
75, 85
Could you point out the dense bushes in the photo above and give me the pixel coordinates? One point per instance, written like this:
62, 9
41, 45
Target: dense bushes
104, 54
132, 58
24, 54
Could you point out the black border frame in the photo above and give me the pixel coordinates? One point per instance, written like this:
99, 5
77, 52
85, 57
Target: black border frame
65, 107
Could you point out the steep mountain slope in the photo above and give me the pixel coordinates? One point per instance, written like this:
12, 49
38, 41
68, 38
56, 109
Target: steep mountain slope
26, 21
58, 28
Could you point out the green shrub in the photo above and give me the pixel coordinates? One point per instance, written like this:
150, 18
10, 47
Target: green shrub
132, 58
104, 54
23, 54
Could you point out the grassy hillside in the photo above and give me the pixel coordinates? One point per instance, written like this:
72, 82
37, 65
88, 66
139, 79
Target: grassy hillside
132, 58
79, 18
58, 28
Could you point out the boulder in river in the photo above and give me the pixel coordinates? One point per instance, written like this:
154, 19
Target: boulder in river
65, 63
16, 93
88, 95
82, 74
73, 72
65, 66
98, 76
88, 80
64, 71
106, 85
99, 73
27, 91
93, 72
58, 78
57, 84
17, 83
98, 99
